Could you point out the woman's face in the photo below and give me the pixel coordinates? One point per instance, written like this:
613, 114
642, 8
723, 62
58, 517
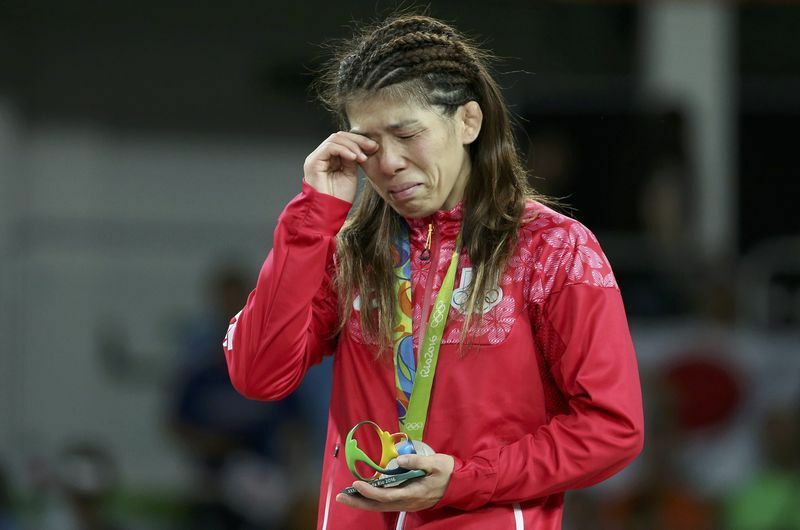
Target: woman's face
422, 163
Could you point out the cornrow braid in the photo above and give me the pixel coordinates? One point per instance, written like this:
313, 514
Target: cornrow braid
414, 41
425, 54
398, 74
386, 48
415, 63
367, 45
403, 26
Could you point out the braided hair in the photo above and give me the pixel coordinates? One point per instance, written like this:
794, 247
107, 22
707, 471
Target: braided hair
419, 57
405, 49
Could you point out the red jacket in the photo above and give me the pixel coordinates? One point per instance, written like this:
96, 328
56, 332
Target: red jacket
548, 400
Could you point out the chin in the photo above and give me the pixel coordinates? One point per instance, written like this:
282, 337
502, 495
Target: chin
414, 211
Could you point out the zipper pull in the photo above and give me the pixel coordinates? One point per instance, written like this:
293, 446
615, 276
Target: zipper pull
336, 450
425, 255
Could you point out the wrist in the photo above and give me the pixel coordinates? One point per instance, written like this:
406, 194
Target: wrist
314, 212
470, 486
327, 187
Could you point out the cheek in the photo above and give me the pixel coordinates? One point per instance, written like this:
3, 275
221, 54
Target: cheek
372, 183
442, 150
370, 168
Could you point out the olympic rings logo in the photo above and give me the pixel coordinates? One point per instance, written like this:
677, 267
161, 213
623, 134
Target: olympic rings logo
491, 298
438, 313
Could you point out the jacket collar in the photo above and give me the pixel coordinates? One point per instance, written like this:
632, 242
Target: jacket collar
446, 223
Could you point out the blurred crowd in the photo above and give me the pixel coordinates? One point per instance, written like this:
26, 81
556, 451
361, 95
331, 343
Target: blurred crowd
253, 464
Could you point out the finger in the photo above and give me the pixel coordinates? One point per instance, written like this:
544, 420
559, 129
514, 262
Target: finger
361, 503
330, 147
367, 145
344, 151
361, 156
425, 463
332, 158
356, 143
382, 498
382, 495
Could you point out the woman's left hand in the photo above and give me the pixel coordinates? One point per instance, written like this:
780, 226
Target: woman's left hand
418, 494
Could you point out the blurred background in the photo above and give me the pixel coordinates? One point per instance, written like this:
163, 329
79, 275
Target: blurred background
147, 149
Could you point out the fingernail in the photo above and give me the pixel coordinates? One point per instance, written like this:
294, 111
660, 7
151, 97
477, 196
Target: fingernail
402, 460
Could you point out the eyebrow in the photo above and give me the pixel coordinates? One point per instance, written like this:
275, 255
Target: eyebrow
392, 127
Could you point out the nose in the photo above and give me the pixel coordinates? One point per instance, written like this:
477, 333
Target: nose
390, 159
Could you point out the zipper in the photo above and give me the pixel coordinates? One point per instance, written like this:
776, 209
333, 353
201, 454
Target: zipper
432, 244
330, 486
425, 255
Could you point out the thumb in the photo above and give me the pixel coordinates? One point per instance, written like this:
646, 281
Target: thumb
415, 462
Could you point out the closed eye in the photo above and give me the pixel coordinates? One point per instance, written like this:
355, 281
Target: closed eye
409, 136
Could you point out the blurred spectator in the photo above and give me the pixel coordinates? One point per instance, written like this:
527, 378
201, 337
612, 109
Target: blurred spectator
769, 500
242, 450
551, 161
666, 289
81, 486
664, 497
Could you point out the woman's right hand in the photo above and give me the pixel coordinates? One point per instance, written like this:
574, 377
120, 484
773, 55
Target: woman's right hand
332, 167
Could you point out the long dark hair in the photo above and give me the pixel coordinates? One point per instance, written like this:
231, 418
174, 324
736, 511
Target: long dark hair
416, 56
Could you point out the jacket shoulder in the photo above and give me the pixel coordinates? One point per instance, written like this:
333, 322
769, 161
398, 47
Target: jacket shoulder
559, 251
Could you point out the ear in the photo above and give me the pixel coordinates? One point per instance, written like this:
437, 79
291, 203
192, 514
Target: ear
471, 121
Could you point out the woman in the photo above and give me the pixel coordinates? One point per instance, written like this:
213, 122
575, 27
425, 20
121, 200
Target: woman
450, 265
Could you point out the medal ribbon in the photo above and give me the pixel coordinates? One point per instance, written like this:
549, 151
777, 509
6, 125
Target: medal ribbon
414, 386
